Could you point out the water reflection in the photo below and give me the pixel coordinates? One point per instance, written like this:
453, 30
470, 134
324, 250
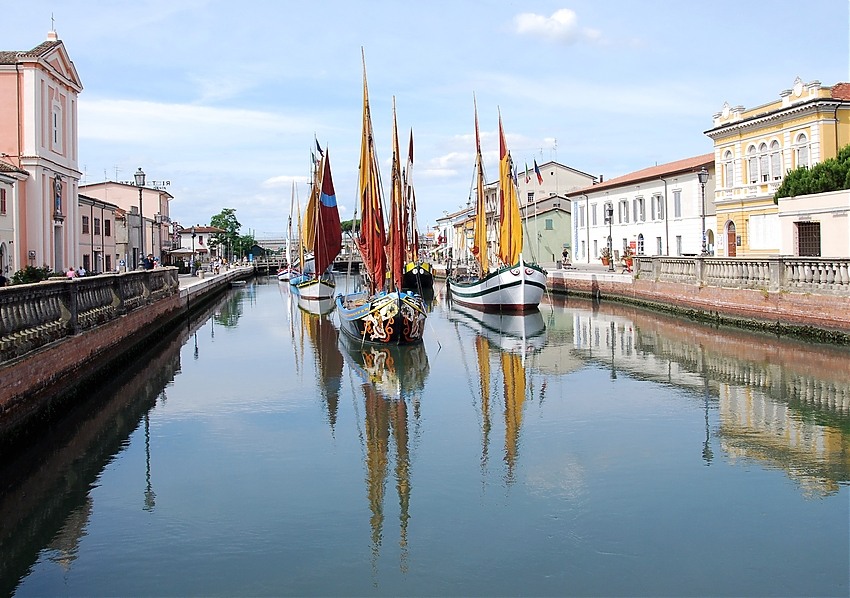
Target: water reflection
321, 333
45, 501
756, 403
510, 339
781, 403
392, 379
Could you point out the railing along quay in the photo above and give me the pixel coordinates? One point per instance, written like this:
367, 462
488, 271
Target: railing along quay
33, 315
821, 276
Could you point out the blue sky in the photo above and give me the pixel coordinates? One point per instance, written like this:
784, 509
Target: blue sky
223, 99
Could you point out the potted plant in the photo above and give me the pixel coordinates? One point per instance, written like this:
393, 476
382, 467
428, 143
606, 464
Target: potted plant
605, 256
628, 258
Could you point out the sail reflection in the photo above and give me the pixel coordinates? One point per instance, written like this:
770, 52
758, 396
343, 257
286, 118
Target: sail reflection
322, 337
392, 380
508, 341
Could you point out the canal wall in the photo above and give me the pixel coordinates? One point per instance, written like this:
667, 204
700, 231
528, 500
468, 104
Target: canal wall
808, 297
57, 335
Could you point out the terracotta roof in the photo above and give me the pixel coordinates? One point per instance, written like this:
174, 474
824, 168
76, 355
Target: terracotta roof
653, 172
13, 56
841, 91
6, 167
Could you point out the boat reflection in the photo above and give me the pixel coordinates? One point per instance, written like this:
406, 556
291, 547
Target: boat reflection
392, 380
503, 343
319, 307
321, 335
522, 333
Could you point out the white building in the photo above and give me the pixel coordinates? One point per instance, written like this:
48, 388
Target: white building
661, 210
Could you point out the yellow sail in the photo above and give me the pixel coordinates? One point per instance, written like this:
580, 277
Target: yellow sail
510, 228
311, 213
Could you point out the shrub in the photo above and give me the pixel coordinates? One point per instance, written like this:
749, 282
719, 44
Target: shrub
31, 274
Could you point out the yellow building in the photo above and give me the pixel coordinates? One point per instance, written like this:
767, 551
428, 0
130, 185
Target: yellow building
754, 149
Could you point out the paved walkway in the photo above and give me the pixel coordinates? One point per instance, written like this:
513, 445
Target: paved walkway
188, 281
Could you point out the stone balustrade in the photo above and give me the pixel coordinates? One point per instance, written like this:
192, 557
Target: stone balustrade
820, 276
34, 315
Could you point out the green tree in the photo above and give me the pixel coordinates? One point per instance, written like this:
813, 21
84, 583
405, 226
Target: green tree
229, 239
349, 225
832, 174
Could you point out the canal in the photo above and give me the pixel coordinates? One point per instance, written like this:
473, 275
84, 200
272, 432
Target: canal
588, 449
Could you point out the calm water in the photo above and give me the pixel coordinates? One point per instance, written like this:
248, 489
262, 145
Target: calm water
587, 450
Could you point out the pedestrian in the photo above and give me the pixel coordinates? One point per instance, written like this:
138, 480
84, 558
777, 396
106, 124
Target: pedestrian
147, 262
81, 271
3, 280
71, 273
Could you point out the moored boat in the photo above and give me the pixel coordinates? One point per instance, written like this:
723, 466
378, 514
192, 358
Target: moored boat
504, 281
322, 235
384, 313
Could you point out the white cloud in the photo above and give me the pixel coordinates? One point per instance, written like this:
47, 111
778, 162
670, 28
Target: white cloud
561, 27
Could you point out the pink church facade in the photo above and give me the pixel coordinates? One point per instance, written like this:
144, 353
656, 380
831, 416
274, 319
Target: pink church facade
38, 139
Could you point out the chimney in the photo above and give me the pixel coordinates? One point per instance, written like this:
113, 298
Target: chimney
52, 36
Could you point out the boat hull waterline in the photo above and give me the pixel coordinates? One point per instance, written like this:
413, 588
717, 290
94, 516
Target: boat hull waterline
511, 288
309, 287
386, 318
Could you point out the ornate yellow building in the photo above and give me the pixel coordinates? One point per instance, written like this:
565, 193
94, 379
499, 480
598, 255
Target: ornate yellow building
754, 149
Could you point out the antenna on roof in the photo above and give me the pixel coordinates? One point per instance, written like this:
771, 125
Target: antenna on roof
52, 23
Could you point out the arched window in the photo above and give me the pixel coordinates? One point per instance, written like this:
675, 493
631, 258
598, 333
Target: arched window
764, 163
775, 161
640, 244
801, 150
728, 172
752, 166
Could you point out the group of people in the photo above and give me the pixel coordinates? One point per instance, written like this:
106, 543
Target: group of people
72, 273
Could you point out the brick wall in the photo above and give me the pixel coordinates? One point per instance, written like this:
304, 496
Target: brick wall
55, 365
824, 316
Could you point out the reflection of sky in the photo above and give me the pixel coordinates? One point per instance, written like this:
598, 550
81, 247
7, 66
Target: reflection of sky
255, 490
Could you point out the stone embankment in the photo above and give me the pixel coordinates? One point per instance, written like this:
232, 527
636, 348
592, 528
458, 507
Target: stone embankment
808, 297
57, 334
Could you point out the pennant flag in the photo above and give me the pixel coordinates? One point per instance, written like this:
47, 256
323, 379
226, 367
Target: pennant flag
527, 177
537, 172
319, 147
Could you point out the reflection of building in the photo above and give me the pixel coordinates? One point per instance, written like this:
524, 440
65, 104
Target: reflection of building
754, 426
782, 403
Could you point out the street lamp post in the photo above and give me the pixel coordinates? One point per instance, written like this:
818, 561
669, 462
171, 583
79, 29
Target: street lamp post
192, 265
140, 182
609, 215
703, 179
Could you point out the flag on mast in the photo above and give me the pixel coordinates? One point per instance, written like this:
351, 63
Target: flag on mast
537, 172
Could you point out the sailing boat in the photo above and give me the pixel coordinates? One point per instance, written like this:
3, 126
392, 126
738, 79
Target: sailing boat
289, 270
383, 313
418, 275
322, 234
514, 285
